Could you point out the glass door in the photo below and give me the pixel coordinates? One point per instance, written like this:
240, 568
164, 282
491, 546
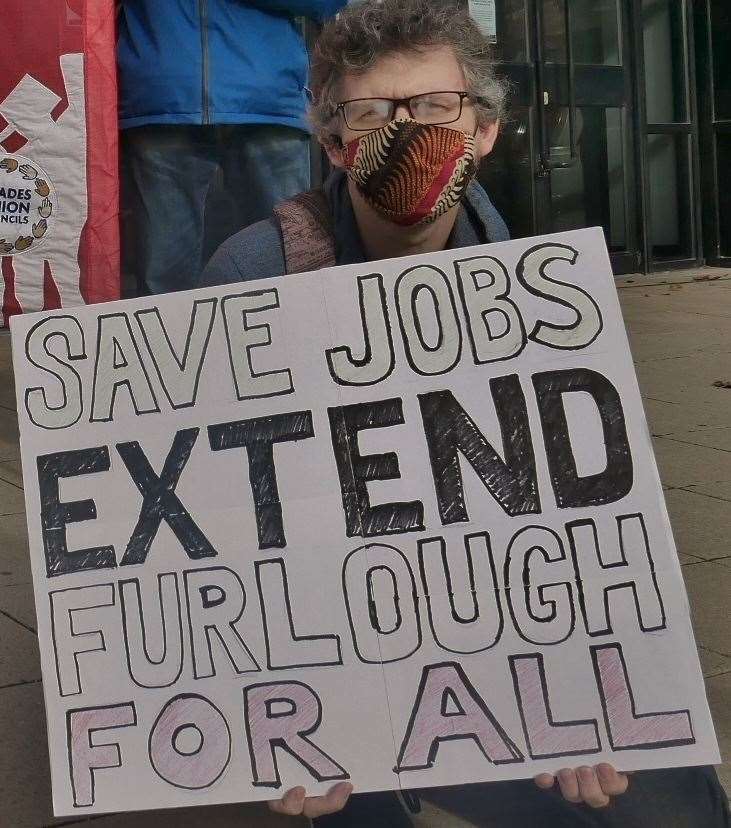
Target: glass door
670, 139
566, 157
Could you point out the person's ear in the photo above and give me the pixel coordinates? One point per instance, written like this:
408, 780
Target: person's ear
485, 138
333, 146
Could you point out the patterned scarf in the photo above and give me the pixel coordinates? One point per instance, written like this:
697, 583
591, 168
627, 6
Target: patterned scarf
411, 173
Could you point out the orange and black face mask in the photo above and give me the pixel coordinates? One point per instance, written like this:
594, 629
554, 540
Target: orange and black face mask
411, 173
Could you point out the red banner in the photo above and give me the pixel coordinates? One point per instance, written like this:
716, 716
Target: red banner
59, 191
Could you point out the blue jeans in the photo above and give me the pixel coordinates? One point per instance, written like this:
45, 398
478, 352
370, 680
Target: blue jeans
186, 189
673, 798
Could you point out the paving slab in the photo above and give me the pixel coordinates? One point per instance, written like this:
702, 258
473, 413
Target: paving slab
709, 589
11, 472
670, 418
701, 524
682, 465
688, 380
14, 555
17, 602
720, 489
719, 693
19, 656
714, 664
687, 560
25, 784
716, 438
9, 446
12, 501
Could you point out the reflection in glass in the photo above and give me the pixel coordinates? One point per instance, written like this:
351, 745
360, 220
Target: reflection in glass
511, 31
670, 226
507, 174
663, 31
554, 31
591, 191
721, 38
596, 27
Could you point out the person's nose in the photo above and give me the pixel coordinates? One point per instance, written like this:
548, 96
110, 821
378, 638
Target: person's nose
402, 110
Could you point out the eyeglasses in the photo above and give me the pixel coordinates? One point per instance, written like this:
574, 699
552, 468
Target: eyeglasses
362, 114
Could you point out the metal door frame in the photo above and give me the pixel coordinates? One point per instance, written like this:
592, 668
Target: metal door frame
642, 130
710, 127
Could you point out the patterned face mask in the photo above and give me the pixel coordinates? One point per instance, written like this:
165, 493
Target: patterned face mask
411, 173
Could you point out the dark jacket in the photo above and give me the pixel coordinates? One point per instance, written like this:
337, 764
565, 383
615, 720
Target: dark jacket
214, 61
256, 251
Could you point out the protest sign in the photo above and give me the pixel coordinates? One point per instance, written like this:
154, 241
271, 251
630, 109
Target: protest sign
59, 244
396, 522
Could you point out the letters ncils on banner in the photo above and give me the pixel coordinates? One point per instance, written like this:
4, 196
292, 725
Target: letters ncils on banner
397, 523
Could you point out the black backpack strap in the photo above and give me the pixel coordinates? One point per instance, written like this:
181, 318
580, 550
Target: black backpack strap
307, 232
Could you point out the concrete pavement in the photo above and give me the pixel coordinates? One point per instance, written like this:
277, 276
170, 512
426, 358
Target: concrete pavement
681, 339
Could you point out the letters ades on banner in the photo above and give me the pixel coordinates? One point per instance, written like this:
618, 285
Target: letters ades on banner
398, 523
59, 242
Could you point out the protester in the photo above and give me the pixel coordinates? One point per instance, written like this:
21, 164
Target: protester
211, 98
406, 104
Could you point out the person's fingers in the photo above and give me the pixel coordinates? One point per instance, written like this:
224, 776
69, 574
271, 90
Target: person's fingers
291, 803
590, 790
569, 785
333, 801
545, 780
613, 783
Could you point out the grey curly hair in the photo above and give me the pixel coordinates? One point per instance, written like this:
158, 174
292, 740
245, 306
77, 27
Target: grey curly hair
365, 31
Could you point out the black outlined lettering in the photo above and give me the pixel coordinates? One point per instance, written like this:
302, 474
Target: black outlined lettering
542, 613
484, 300
588, 323
179, 377
423, 357
160, 502
450, 431
285, 652
367, 606
454, 633
615, 481
55, 514
137, 625
269, 727
242, 338
190, 743
598, 578
546, 738
447, 708
378, 356
627, 729
258, 437
87, 757
68, 641
356, 471
119, 363
69, 335
216, 600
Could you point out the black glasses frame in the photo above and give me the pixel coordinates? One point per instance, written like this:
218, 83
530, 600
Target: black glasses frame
396, 102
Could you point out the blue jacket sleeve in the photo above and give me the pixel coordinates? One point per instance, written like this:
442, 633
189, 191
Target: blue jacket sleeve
313, 9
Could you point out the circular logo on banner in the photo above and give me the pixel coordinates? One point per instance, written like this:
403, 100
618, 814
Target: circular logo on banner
27, 205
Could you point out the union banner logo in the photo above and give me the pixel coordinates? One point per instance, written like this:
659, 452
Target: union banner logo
27, 204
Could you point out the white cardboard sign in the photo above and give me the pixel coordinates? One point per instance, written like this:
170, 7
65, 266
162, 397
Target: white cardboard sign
398, 523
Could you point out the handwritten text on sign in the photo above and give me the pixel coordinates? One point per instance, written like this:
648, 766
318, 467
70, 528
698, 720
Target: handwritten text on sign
397, 523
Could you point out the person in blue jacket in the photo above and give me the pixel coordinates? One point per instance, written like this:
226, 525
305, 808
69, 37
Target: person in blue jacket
212, 112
